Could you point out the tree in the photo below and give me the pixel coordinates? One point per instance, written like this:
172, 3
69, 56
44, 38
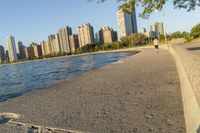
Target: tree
125, 41
137, 39
150, 6
195, 32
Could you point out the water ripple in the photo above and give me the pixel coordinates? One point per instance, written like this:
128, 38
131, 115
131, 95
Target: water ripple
17, 79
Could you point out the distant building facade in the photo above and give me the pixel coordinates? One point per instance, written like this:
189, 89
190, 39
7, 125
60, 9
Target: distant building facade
51, 39
2, 54
56, 41
11, 48
96, 38
74, 44
64, 34
158, 28
20, 50
7, 57
107, 35
37, 51
127, 22
29, 52
45, 47
85, 35
54, 44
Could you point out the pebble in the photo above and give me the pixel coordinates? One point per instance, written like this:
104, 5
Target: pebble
135, 130
149, 117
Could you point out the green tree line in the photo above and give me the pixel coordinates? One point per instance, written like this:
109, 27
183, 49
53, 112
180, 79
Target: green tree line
193, 34
125, 42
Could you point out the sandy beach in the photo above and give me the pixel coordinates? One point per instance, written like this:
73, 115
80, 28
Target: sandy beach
140, 93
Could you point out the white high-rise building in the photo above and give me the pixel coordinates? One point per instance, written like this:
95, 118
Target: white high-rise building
85, 35
158, 28
127, 22
64, 34
54, 43
11, 48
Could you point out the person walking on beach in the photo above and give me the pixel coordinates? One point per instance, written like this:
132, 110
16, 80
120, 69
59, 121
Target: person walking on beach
156, 44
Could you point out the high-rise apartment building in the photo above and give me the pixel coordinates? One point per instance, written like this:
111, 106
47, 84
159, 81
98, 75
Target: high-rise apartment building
2, 54
20, 48
7, 57
11, 48
29, 52
74, 44
107, 35
127, 22
46, 48
85, 35
96, 38
56, 47
54, 43
37, 51
64, 34
51, 39
43, 47
158, 28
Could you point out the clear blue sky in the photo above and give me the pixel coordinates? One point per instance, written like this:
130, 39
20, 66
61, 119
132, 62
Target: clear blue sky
33, 20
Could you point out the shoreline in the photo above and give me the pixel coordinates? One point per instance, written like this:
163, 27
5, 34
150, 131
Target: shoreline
131, 52
83, 54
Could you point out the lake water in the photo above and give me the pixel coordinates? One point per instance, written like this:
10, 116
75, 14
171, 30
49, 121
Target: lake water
17, 79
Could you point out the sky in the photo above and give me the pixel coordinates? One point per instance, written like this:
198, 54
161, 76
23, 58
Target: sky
33, 20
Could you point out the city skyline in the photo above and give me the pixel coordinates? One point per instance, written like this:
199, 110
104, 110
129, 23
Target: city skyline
61, 43
90, 12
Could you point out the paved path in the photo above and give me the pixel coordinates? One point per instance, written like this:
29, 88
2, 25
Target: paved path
140, 94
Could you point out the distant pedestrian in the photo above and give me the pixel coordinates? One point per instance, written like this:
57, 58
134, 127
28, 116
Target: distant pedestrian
156, 44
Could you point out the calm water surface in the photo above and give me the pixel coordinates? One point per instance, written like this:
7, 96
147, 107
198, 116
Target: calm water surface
17, 79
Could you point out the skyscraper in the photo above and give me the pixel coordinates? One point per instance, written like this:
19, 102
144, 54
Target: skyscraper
11, 48
51, 42
127, 22
96, 38
158, 28
29, 52
85, 35
54, 43
74, 44
57, 48
2, 54
37, 51
45, 45
7, 57
48, 47
20, 48
64, 34
107, 35
44, 49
